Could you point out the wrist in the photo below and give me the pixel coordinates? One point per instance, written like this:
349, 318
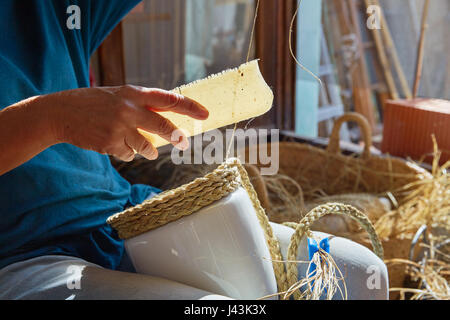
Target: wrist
45, 115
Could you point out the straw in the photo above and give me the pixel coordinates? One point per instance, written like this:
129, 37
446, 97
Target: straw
427, 202
432, 275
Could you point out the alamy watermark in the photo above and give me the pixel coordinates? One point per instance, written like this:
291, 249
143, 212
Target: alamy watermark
74, 279
251, 146
374, 280
374, 20
74, 20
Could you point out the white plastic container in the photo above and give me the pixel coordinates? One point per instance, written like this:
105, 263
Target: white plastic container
220, 249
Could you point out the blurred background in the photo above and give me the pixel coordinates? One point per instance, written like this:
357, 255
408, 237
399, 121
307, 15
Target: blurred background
168, 43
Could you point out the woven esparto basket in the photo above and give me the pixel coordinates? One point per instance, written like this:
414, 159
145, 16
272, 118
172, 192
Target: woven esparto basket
334, 173
329, 172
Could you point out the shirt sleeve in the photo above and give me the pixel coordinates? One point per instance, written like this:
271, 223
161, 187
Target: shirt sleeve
104, 15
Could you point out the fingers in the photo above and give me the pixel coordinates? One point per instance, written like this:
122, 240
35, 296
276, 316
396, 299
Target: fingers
185, 106
134, 144
140, 113
141, 146
154, 123
161, 100
124, 153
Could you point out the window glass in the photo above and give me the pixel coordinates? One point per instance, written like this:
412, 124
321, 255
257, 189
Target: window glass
169, 43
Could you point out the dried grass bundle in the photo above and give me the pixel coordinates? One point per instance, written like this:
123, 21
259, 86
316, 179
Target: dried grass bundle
431, 275
285, 198
428, 202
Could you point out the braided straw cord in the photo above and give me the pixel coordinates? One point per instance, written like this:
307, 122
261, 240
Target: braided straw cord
175, 204
302, 228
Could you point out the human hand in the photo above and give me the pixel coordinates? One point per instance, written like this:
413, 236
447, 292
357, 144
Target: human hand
106, 119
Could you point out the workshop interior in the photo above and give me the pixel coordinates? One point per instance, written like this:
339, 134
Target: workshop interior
225, 149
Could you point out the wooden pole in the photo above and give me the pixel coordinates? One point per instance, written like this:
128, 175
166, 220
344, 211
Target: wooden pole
390, 47
361, 92
420, 50
362, 69
384, 60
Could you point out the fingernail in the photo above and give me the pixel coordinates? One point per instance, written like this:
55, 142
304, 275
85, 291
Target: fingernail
152, 156
203, 112
179, 139
183, 144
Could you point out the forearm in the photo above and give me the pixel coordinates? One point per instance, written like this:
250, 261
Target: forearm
25, 131
104, 120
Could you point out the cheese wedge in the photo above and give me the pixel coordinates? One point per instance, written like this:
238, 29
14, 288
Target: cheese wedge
231, 96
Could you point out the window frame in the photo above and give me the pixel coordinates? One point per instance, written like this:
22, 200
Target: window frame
272, 48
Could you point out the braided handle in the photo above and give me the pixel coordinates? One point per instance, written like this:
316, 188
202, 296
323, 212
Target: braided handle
333, 144
259, 185
302, 228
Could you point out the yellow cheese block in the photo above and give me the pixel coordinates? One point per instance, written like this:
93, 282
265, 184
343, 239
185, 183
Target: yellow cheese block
231, 96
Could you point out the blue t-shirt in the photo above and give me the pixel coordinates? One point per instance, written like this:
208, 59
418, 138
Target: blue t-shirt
58, 202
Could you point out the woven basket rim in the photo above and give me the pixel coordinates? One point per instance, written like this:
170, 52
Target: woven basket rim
412, 171
414, 168
165, 207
